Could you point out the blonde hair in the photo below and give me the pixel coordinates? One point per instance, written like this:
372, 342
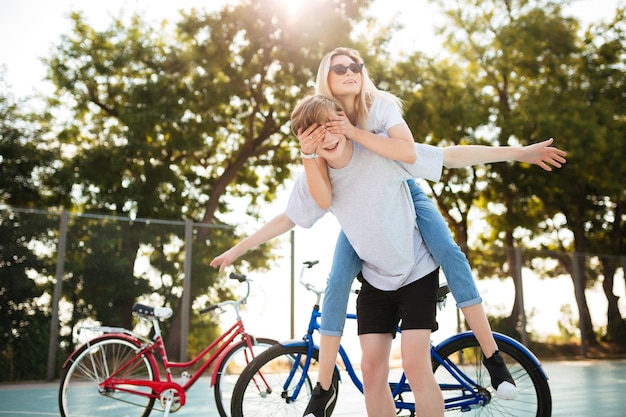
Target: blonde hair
369, 91
313, 109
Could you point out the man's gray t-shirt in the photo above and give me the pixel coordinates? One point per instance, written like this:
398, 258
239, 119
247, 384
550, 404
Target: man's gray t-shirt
374, 207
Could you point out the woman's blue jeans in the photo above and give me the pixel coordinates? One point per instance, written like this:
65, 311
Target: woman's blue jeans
438, 238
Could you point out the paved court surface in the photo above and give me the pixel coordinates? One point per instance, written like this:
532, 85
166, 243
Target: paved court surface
579, 389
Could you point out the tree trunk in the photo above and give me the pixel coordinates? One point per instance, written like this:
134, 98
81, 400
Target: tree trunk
588, 337
616, 327
513, 321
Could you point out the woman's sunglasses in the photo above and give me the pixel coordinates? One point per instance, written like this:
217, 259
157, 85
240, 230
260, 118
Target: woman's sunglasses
342, 69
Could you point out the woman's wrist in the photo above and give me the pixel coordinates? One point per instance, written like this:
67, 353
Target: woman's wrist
308, 155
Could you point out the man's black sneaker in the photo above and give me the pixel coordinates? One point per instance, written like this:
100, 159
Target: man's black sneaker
320, 401
501, 379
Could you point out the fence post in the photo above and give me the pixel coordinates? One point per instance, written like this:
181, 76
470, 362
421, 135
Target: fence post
186, 301
56, 298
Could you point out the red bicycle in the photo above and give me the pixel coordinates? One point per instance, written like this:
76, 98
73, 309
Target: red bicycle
122, 373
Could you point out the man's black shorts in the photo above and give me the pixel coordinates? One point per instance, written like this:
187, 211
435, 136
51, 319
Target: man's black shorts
415, 304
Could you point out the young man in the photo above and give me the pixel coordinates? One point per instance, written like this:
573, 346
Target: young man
374, 118
374, 207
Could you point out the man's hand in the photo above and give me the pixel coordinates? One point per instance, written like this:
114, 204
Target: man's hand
225, 259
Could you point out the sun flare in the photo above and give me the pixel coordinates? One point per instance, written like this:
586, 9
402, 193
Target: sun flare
291, 6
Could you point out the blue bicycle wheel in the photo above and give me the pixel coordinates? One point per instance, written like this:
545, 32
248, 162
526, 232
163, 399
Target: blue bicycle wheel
464, 355
278, 382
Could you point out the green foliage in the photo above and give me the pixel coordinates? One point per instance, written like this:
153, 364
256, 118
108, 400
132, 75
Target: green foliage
23, 355
518, 72
99, 265
207, 330
26, 154
180, 121
24, 321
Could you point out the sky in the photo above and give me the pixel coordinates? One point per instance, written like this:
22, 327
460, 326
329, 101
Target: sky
29, 29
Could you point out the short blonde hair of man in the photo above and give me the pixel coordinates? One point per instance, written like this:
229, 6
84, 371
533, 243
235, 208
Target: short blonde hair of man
313, 109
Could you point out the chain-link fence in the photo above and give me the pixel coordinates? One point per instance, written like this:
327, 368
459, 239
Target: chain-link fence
59, 271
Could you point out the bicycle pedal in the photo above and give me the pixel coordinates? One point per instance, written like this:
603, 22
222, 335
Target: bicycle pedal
170, 401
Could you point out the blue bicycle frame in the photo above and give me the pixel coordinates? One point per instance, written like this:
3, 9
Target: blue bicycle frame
472, 396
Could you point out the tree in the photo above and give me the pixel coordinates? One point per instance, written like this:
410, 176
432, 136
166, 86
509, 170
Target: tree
603, 66
182, 123
542, 80
583, 101
502, 49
